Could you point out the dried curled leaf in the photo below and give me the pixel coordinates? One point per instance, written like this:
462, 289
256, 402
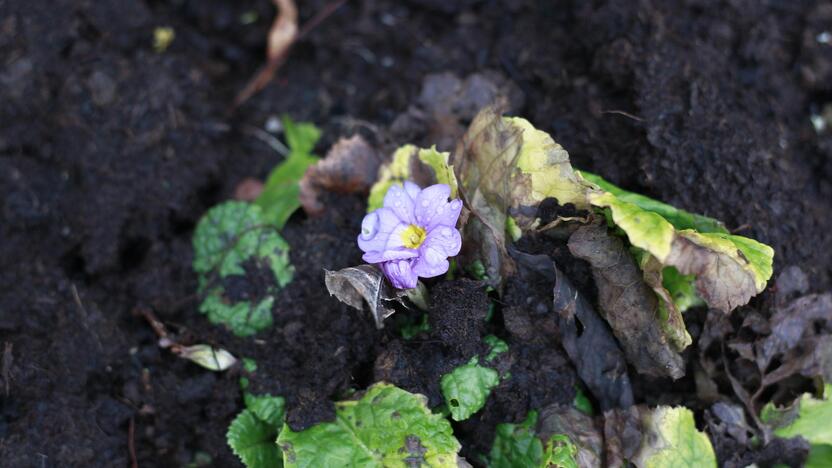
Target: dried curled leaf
507, 167
627, 302
584, 335
578, 428
362, 284
350, 166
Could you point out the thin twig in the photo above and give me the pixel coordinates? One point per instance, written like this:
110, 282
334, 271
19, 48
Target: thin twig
266, 138
625, 114
131, 443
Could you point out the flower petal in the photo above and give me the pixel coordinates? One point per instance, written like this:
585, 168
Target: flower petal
388, 255
412, 189
432, 262
400, 274
431, 207
398, 200
445, 239
376, 228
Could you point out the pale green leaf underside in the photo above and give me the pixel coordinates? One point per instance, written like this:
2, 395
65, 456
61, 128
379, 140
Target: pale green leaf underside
387, 427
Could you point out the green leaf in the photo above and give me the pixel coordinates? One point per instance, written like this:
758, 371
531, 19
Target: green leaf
682, 288
812, 421
410, 330
242, 318
233, 240
560, 452
729, 269
253, 440
387, 426
680, 219
820, 456
280, 196
671, 439
300, 136
267, 408
467, 387
497, 347
582, 403
516, 445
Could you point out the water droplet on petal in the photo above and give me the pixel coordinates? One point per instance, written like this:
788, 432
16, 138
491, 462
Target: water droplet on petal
446, 232
425, 202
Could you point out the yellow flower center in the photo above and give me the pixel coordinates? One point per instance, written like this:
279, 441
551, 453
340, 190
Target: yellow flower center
413, 236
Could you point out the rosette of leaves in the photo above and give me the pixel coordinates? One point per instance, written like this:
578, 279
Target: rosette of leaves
386, 426
242, 261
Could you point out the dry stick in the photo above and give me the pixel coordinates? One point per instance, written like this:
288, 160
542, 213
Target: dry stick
131, 443
282, 35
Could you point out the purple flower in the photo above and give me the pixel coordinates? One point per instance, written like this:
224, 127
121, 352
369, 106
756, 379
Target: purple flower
414, 233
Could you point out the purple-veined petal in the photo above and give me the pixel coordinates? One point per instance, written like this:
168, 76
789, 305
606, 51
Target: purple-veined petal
445, 239
388, 255
431, 206
431, 262
400, 274
444, 214
398, 200
412, 189
376, 229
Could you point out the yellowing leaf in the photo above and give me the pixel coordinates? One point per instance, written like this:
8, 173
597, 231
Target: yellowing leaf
423, 166
729, 269
645, 229
680, 219
671, 440
546, 163
442, 170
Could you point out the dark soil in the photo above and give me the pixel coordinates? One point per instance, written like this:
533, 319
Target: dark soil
110, 152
